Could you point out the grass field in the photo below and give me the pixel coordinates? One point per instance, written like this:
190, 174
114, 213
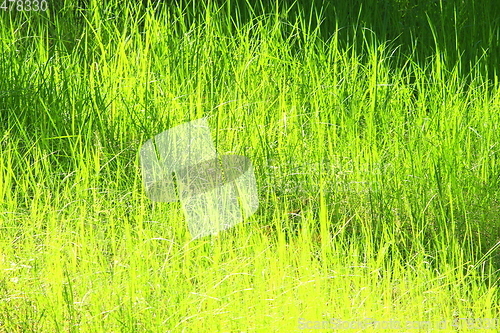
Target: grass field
389, 157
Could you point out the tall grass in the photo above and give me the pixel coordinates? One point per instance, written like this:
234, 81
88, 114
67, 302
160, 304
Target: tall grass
392, 160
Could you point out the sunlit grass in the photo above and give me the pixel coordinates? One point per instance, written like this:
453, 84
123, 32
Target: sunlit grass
389, 165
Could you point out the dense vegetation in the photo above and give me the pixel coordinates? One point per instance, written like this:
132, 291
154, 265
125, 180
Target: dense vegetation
376, 123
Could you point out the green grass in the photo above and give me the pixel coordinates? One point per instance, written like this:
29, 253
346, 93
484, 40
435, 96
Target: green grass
392, 158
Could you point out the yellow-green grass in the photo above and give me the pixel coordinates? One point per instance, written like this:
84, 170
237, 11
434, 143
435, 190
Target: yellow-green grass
391, 160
